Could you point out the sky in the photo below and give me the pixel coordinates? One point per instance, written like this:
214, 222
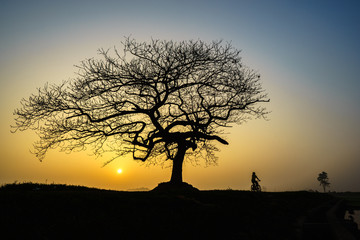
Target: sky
307, 53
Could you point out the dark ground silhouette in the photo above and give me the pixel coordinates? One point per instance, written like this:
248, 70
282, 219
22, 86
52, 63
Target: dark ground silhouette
34, 211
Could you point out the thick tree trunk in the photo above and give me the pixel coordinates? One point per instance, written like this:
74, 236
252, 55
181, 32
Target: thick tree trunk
176, 175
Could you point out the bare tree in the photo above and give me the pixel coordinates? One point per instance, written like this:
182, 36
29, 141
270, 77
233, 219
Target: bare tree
324, 180
161, 100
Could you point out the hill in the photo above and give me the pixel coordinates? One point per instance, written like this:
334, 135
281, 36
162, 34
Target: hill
36, 211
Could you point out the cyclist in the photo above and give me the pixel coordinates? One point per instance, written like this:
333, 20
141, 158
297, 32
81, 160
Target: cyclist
254, 181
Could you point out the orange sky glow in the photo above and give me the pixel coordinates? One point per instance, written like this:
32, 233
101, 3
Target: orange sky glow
307, 58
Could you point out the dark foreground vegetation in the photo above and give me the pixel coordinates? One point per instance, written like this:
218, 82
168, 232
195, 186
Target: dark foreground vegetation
35, 211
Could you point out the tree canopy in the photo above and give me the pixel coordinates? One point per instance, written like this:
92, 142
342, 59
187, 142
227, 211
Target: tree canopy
156, 100
324, 180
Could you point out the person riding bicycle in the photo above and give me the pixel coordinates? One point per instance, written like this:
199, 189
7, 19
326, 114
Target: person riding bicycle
253, 180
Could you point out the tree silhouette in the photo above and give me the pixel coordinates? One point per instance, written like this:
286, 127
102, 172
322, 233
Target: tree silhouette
324, 180
161, 100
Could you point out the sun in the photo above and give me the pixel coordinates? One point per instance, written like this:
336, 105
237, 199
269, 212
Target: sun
119, 171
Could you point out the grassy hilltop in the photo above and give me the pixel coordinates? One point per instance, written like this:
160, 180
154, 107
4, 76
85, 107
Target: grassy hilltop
35, 211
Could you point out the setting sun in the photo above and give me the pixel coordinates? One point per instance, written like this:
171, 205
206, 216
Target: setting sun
119, 171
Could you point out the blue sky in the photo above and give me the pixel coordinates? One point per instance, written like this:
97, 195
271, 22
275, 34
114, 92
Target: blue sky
307, 52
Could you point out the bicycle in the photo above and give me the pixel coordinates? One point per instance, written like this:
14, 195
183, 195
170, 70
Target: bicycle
256, 187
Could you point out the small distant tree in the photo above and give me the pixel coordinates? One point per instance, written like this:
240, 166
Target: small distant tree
158, 100
324, 180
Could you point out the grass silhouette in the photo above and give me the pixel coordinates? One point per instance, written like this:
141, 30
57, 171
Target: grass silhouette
53, 211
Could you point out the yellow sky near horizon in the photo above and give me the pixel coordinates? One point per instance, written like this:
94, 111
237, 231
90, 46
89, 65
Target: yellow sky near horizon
308, 67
